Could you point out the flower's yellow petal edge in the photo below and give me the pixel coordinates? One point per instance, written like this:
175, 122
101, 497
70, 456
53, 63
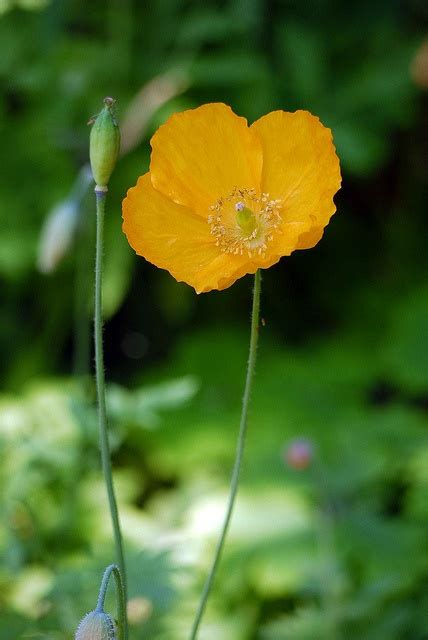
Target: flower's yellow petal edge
201, 154
300, 167
174, 238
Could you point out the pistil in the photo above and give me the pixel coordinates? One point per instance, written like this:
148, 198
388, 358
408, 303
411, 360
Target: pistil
245, 218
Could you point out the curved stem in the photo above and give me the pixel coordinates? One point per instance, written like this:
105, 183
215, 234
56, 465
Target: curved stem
239, 454
102, 412
113, 568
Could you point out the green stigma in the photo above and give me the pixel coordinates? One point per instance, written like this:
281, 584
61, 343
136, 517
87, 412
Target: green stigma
245, 218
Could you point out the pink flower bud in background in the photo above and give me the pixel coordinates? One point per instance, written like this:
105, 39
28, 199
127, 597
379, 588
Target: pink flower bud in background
299, 454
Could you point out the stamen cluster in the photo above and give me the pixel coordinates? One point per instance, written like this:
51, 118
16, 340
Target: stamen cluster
230, 235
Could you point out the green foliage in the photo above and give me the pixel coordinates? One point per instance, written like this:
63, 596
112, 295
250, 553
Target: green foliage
405, 350
53, 502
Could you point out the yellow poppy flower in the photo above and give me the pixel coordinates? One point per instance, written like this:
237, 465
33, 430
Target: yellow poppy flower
223, 199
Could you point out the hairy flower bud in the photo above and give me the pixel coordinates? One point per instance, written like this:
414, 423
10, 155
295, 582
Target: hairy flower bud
104, 144
96, 625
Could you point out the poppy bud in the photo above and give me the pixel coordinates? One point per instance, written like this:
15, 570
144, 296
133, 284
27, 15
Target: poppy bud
96, 625
104, 144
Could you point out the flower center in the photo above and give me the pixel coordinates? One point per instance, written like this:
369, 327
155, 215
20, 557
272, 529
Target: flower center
245, 222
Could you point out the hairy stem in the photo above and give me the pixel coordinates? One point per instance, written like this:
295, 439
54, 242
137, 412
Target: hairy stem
121, 610
102, 413
239, 454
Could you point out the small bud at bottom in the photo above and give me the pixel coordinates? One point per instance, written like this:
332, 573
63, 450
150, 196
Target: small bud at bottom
96, 625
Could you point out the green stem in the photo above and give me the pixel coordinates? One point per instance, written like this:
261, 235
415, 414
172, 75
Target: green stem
255, 315
102, 412
121, 615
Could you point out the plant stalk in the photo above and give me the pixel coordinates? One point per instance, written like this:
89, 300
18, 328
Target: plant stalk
102, 412
121, 610
255, 316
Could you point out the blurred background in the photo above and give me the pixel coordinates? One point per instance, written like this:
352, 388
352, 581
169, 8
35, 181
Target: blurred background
330, 534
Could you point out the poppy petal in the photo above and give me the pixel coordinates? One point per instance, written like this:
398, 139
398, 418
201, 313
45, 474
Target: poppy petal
200, 155
174, 238
309, 239
301, 168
